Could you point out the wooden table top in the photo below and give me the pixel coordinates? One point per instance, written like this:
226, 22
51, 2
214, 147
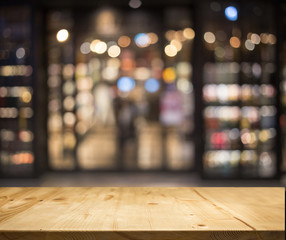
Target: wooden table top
142, 213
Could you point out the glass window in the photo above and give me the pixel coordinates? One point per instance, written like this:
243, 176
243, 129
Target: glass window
120, 89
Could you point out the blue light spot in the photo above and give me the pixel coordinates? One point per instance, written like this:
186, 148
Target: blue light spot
125, 84
152, 85
142, 40
231, 13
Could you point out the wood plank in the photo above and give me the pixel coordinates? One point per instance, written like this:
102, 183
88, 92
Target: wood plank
142, 213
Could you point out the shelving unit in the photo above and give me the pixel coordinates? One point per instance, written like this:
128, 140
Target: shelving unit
282, 59
240, 91
16, 93
19, 142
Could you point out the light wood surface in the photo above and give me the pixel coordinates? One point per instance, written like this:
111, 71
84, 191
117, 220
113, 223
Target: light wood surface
142, 213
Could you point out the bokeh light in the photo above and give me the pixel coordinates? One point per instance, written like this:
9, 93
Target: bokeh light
171, 50
177, 44
100, 47
264, 38
26, 112
255, 38
272, 39
209, 37
114, 51
234, 42
249, 45
184, 85
142, 73
69, 140
68, 71
170, 35
26, 96
93, 44
26, 136
113, 62
179, 36
124, 41
219, 52
231, 13
153, 37
85, 48
184, 69
62, 35
135, 3
110, 73
169, 75
111, 43
69, 88
189, 33
142, 40
152, 85
20, 53
125, 84
69, 103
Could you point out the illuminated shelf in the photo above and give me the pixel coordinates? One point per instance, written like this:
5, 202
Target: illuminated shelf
19, 142
16, 133
239, 94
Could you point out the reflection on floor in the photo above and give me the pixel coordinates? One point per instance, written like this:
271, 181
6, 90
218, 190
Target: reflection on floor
102, 179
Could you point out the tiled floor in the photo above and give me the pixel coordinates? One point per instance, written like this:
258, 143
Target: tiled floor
81, 179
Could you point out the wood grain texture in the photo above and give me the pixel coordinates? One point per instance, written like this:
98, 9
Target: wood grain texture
142, 213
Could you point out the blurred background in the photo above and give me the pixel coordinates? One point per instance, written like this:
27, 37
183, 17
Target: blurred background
141, 92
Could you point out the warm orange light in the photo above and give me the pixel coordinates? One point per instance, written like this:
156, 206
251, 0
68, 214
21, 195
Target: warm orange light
170, 35
169, 75
127, 64
177, 44
272, 39
189, 33
234, 42
124, 41
153, 37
